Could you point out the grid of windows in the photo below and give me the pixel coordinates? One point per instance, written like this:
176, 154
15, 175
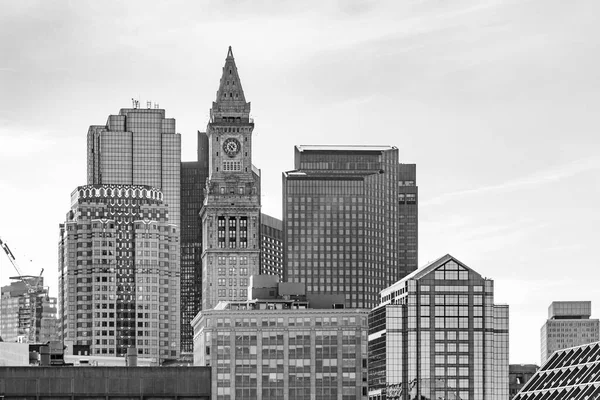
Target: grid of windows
290, 352
125, 273
439, 335
231, 166
342, 218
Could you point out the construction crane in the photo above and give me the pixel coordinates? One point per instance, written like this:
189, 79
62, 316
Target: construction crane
26, 279
30, 312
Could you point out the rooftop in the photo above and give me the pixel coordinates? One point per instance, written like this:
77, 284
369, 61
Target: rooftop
343, 148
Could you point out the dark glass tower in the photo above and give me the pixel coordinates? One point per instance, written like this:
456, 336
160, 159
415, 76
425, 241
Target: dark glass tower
271, 246
193, 180
348, 226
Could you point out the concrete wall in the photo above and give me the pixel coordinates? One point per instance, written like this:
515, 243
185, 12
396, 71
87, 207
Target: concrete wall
53, 383
14, 354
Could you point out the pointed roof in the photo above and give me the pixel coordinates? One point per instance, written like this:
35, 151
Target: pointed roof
230, 96
421, 272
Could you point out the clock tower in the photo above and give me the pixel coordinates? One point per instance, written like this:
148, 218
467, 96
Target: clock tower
231, 210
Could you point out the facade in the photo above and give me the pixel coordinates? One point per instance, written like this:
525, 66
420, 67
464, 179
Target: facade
283, 345
231, 211
437, 334
518, 375
572, 373
27, 314
568, 325
110, 383
271, 246
349, 220
119, 272
137, 147
193, 181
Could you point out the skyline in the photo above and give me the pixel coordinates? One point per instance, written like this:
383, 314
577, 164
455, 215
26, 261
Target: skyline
491, 101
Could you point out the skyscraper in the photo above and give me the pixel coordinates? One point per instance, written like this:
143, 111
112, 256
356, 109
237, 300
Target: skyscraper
568, 325
349, 220
119, 249
119, 272
193, 181
137, 147
231, 212
437, 334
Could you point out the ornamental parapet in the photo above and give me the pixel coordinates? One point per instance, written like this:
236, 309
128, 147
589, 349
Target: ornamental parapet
116, 192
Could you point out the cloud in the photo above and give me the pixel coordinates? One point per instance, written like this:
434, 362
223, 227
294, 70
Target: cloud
551, 175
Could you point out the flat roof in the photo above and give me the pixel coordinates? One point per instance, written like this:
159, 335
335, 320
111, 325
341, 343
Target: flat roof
344, 147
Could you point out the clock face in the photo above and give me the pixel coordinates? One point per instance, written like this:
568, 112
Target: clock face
231, 147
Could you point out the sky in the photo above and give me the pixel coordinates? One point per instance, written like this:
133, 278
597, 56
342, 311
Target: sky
496, 101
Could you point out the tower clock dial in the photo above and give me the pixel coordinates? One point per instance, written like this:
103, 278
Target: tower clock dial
231, 147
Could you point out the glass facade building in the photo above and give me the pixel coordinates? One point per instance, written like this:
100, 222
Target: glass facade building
231, 211
568, 325
137, 147
349, 220
119, 272
193, 180
271, 246
437, 334
569, 374
283, 350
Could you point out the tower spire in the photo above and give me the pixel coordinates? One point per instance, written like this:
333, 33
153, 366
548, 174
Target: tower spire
230, 99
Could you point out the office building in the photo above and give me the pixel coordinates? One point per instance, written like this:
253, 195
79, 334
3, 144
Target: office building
271, 246
27, 312
137, 147
231, 211
283, 344
109, 383
568, 325
518, 375
119, 272
349, 220
193, 181
437, 334
568, 374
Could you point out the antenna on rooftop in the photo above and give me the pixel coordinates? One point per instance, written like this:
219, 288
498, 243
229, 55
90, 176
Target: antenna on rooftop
135, 103
148, 105
156, 107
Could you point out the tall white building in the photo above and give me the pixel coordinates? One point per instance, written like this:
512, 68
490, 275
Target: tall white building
437, 334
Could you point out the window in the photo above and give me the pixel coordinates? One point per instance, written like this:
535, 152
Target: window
229, 166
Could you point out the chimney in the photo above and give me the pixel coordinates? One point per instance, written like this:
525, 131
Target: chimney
131, 359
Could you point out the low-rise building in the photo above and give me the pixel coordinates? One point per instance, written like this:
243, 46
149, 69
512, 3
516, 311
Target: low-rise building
518, 375
282, 344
